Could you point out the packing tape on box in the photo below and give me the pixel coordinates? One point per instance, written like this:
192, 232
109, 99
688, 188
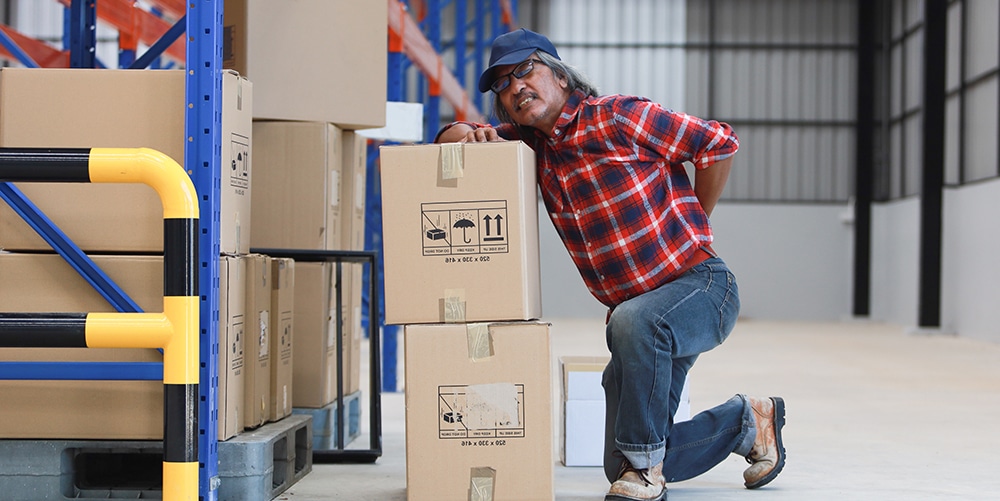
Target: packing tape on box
452, 163
481, 480
454, 306
480, 341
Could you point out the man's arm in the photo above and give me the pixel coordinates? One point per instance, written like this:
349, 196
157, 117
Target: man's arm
462, 132
710, 181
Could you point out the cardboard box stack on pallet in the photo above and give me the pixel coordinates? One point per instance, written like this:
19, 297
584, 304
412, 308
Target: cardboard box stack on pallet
319, 71
120, 226
462, 275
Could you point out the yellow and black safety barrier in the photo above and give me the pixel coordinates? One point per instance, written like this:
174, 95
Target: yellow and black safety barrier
175, 330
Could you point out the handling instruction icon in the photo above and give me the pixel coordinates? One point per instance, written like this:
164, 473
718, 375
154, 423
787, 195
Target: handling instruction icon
464, 227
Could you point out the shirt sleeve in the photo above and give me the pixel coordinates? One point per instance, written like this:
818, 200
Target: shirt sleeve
506, 131
677, 137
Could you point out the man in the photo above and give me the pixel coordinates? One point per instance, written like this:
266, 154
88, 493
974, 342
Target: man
611, 175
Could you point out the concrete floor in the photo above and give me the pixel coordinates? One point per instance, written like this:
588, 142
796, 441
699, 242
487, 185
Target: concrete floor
873, 413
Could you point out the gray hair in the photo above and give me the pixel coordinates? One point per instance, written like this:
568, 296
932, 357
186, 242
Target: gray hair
575, 80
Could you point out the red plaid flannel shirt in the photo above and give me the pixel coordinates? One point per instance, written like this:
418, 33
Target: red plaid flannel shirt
615, 188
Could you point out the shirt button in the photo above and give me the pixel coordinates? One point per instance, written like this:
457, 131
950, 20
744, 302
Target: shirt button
557, 132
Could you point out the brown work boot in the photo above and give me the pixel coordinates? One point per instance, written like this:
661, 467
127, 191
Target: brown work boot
638, 485
767, 457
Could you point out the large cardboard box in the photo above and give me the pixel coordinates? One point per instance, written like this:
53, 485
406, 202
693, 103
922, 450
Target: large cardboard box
338, 73
315, 374
122, 109
353, 195
257, 381
460, 233
479, 411
232, 344
282, 332
300, 165
99, 410
127, 410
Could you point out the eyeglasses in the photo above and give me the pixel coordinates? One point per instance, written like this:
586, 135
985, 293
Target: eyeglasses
520, 71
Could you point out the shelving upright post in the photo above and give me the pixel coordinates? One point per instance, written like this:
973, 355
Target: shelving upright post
202, 156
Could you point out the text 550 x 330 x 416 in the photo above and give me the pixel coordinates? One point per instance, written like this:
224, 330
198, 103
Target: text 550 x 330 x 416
467, 259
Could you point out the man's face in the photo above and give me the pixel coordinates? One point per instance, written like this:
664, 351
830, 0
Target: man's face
535, 99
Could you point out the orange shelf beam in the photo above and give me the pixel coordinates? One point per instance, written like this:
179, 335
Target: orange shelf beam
127, 17
422, 54
40, 52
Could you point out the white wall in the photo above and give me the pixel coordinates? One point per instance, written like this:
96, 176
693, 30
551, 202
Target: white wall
895, 261
971, 269
791, 262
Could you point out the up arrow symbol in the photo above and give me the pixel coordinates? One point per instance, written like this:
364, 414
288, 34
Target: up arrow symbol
498, 219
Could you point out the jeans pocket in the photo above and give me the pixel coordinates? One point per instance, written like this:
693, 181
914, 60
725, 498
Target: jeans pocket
729, 307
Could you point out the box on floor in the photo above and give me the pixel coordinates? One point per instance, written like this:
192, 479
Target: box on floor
478, 411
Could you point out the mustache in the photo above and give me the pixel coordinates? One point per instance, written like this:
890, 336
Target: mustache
521, 96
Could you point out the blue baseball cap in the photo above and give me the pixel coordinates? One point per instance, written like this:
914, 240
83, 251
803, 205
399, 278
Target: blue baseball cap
512, 48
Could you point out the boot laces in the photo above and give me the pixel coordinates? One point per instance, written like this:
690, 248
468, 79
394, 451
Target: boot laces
642, 473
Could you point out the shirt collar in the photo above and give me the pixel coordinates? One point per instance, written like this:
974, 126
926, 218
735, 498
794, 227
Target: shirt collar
568, 114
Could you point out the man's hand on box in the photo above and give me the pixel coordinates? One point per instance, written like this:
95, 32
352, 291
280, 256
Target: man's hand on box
481, 135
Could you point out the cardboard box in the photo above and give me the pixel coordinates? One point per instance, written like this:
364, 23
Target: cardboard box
583, 410
100, 410
300, 164
315, 374
582, 419
126, 410
232, 335
257, 351
282, 331
460, 225
351, 283
122, 109
237, 144
353, 195
339, 70
479, 411
352, 188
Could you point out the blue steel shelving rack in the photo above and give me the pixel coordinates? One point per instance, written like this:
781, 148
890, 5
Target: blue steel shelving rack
203, 125
202, 155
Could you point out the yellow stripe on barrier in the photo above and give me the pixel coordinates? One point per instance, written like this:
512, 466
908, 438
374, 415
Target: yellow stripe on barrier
150, 167
181, 359
183, 483
128, 330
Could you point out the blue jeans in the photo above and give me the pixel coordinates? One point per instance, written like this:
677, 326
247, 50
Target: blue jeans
654, 340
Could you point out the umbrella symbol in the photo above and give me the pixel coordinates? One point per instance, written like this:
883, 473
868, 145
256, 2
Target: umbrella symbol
464, 223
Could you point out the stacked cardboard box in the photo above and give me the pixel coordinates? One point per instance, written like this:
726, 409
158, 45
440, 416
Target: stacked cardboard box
462, 275
307, 153
119, 225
